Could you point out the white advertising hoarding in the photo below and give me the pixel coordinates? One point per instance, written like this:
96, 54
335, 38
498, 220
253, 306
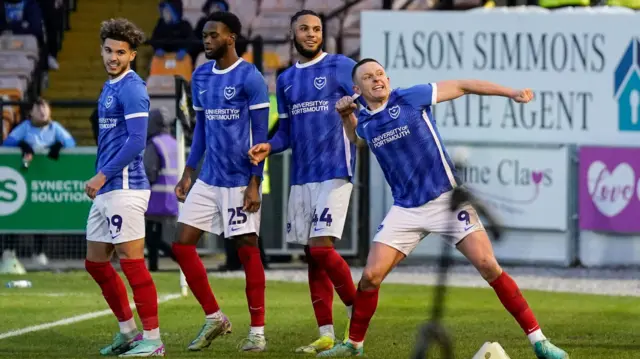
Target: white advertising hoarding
523, 188
583, 68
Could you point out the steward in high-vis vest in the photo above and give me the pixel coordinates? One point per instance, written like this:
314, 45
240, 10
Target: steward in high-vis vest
550, 4
631, 4
273, 120
161, 167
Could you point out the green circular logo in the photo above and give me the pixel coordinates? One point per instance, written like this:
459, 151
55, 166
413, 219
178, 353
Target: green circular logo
13, 191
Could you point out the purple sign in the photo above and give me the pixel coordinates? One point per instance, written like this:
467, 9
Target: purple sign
609, 189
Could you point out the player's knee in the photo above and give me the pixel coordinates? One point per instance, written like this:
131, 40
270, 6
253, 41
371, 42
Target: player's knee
188, 235
131, 250
489, 268
371, 279
325, 241
246, 240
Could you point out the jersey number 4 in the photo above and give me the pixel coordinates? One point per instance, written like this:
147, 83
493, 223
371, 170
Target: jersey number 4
324, 217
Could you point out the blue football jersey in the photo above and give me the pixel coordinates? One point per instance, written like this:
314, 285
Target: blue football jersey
122, 98
402, 134
226, 98
306, 95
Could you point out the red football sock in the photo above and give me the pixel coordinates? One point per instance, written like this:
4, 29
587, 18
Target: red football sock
364, 307
255, 287
338, 270
144, 291
113, 288
196, 276
512, 299
321, 290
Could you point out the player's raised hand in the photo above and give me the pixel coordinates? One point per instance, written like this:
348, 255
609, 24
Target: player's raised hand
182, 188
523, 96
259, 152
346, 106
95, 183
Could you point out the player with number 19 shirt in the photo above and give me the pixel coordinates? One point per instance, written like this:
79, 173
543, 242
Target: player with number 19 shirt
120, 193
322, 166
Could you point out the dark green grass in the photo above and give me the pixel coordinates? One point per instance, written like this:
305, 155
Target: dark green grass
586, 326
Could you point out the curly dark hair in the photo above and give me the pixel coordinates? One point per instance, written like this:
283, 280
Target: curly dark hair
302, 13
229, 19
121, 29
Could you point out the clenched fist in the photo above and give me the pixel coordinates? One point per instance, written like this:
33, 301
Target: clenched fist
523, 96
346, 106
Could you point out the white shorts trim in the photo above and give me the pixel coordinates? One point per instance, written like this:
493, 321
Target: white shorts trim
218, 210
404, 228
318, 209
118, 216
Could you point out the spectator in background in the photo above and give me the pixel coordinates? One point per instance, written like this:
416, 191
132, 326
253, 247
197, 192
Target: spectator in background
52, 16
161, 166
40, 132
24, 17
171, 27
208, 8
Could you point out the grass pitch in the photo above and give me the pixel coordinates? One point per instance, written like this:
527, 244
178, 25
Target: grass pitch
586, 326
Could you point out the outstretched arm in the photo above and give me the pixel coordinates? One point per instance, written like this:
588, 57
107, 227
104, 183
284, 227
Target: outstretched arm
452, 89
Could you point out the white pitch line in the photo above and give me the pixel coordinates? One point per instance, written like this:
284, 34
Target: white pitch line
71, 320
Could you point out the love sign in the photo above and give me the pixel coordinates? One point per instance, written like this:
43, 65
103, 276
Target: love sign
610, 189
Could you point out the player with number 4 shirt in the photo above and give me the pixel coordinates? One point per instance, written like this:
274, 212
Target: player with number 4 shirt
322, 167
399, 128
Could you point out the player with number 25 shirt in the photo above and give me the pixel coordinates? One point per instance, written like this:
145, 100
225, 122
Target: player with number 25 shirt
231, 100
399, 128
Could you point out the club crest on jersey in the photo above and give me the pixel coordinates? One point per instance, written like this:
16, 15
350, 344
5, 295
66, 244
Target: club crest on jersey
320, 82
108, 102
229, 92
394, 112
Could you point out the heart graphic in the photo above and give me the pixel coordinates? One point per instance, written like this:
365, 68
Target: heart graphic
536, 176
394, 112
611, 192
320, 82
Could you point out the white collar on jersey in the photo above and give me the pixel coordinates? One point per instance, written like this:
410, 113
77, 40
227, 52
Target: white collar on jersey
377, 110
312, 62
120, 77
228, 69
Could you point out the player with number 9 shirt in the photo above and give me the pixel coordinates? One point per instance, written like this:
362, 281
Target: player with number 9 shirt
399, 128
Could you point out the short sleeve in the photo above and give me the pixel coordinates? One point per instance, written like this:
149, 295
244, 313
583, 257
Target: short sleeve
195, 96
343, 71
256, 89
283, 109
420, 96
360, 127
358, 132
135, 100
